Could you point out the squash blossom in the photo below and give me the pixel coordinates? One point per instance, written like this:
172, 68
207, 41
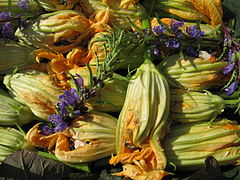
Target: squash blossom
120, 12
208, 11
189, 106
35, 89
14, 56
142, 124
188, 145
59, 31
193, 73
89, 137
11, 141
12, 111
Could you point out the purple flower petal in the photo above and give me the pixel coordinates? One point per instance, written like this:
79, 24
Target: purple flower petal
55, 118
159, 29
194, 32
228, 68
62, 110
7, 31
6, 16
60, 127
70, 97
79, 80
174, 25
231, 88
23, 4
172, 43
230, 53
46, 130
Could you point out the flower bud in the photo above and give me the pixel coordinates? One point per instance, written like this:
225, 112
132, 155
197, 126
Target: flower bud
36, 90
188, 145
12, 111
189, 106
13, 56
89, 137
193, 73
142, 123
58, 31
11, 141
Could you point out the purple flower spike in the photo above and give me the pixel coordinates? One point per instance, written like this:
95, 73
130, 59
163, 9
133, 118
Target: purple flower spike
172, 43
231, 88
60, 127
7, 30
159, 29
194, 32
70, 97
62, 110
230, 53
79, 80
6, 16
55, 118
174, 25
228, 68
23, 4
46, 130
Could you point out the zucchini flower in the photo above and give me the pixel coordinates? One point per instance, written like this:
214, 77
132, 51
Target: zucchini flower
193, 73
56, 5
35, 89
90, 137
142, 124
12, 111
189, 106
120, 13
110, 98
59, 31
188, 145
11, 141
207, 11
179, 8
13, 56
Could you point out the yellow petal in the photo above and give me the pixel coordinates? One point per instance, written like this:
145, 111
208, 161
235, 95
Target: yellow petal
210, 8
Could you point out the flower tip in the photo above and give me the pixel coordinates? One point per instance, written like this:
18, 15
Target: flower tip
23, 4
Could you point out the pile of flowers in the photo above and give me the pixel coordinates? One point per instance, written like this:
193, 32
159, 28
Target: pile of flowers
149, 86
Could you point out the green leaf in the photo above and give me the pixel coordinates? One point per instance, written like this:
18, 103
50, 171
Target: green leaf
27, 165
233, 174
210, 171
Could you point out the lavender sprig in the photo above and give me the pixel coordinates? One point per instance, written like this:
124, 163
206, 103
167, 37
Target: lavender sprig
232, 55
172, 38
14, 18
